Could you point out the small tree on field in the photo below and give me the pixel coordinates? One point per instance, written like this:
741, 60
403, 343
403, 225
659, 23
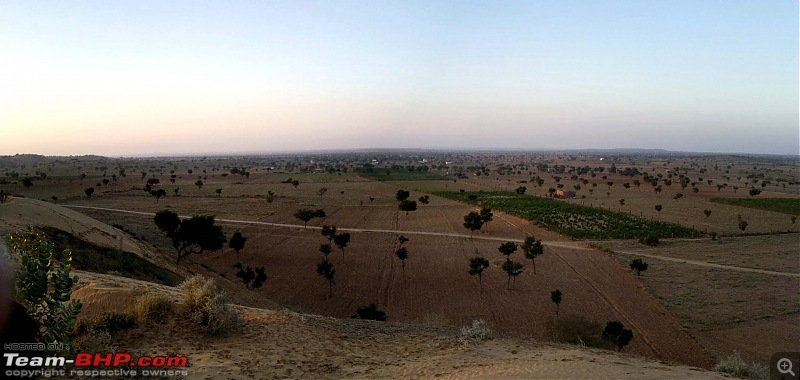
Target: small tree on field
89, 192
158, 194
218, 191
402, 240
512, 269
341, 241
555, 296
237, 243
486, 216
639, 266
659, 208
295, 183
322, 191
473, 222
329, 232
44, 287
402, 195
507, 249
742, 223
325, 249
616, 333
406, 205
259, 276
306, 214
476, 266
754, 192
195, 235
521, 190
3, 196
402, 254
532, 248
326, 270
707, 212
425, 199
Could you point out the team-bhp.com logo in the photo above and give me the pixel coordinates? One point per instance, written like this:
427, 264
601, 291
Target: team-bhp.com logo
94, 365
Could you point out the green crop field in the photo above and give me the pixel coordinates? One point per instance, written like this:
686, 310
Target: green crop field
783, 205
578, 221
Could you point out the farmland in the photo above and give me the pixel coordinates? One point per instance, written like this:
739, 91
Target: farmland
676, 309
574, 220
783, 205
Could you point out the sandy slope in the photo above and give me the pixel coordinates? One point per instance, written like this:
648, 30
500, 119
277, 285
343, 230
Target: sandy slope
284, 344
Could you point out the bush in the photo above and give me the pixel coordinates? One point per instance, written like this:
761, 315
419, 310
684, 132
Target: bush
112, 321
207, 305
94, 340
575, 329
478, 331
153, 307
371, 312
651, 240
736, 366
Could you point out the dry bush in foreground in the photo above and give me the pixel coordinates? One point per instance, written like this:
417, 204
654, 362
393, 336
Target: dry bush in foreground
478, 331
736, 366
207, 304
153, 307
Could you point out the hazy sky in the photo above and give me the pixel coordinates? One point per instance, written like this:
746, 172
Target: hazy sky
139, 77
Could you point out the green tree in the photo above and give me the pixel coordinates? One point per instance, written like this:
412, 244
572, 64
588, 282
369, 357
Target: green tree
555, 296
4, 196
237, 243
402, 254
322, 191
325, 249
329, 232
258, 277
532, 248
305, 215
406, 205
402, 240
507, 249
402, 195
341, 241
486, 216
158, 193
326, 270
512, 269
473, 222
195, 235
295, 183
89, 191
707, 212
754, 192
659, 208
639, 266
199, 184
521, 190
476, 266
218, 191
44, 286
616, 333
27, 182
425, 199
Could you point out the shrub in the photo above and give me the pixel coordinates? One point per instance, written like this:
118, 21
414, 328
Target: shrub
207, 305
371, 312
153, 307
112, 321
575, 329
93, 340
651, 240
736, 366
478, 331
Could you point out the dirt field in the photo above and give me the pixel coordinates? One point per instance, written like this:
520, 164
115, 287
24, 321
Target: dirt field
723, 308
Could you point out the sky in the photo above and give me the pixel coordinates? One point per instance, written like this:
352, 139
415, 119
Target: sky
133, 78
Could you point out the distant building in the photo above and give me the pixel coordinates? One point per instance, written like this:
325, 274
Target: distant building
565, 194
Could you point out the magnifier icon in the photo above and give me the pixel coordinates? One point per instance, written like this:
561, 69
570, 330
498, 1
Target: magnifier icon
785, 366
